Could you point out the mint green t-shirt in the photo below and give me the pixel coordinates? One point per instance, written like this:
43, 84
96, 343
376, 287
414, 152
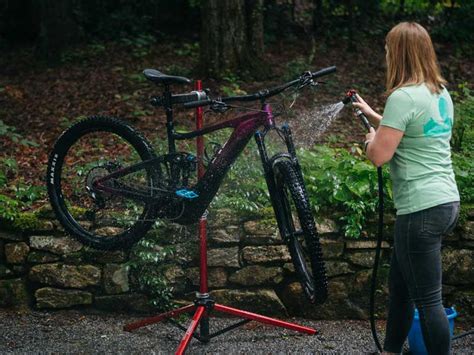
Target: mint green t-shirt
421, 170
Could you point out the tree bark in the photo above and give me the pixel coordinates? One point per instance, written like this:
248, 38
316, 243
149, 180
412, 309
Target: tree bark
231, 37
254, 18
317, 18
58, 28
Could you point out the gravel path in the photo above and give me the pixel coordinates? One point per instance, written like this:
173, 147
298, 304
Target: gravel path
74, 331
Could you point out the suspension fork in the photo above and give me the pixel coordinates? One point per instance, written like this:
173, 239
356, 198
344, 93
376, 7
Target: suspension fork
291, 149
270, 179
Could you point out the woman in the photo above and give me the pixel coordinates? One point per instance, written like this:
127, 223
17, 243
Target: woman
413, 135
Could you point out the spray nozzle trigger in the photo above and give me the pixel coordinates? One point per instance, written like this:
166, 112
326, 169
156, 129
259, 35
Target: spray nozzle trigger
350, 97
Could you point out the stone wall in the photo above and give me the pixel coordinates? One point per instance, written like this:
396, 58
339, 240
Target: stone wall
249, 268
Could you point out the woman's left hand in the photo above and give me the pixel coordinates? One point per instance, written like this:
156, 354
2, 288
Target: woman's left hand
371, 135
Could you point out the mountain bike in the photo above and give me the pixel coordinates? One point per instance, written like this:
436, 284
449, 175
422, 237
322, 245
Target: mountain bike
107, 186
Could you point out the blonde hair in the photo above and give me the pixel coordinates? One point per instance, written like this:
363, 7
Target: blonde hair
411, 58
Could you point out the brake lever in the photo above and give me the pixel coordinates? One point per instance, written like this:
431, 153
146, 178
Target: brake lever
305, 79
219, 107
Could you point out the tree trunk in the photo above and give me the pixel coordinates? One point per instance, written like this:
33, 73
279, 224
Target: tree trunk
58, 28
254, 16
350, 8
231, 37
317, 18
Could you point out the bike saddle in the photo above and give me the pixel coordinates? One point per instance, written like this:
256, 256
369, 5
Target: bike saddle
160, 78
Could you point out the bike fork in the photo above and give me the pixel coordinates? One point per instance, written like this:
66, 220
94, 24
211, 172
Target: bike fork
270, 179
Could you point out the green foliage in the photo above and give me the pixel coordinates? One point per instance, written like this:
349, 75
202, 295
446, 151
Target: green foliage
296, 67
140, 45
188, 50
14, 197
9, 208
463, 129
10, 133
338, 180
244, 190
26, 221
463, 165
462, 142
82, 54
148, 264
177, 69
232, 86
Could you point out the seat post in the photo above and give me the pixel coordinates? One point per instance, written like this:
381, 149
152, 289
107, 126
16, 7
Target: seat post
169, 119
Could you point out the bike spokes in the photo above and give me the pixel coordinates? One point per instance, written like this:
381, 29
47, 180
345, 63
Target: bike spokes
96, 207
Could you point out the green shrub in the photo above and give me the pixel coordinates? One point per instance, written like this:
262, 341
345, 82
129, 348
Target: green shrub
148, 264
463, 165
336, 180
463, 129
343, 181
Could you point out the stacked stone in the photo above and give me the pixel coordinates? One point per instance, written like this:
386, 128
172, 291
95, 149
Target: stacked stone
249, 268
44, 268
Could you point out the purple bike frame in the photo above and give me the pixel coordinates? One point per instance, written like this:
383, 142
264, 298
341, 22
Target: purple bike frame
245, 127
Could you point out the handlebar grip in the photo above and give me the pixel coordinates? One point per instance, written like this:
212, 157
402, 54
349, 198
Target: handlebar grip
322, 72
199, 103
188, 97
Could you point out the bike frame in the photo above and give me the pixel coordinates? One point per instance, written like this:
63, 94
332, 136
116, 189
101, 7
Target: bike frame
245, 126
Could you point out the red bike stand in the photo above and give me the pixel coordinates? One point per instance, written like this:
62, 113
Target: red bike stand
204, 304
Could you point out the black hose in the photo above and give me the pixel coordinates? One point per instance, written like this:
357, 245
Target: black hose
376, 261
463, 334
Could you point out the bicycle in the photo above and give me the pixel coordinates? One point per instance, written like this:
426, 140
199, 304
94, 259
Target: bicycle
111, 202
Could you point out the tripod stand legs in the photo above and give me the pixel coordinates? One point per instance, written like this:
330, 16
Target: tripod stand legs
192, 327
263, 319
201, 317
151, 320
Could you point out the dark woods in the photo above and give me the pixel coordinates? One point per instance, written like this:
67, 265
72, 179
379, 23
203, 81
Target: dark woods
231, 34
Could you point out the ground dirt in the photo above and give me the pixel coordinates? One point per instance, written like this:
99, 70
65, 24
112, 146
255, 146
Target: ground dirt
73, 331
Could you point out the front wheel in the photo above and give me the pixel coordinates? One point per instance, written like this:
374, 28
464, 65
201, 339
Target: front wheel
86, 152
297, 227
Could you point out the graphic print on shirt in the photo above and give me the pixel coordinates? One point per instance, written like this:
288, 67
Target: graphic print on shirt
442, 124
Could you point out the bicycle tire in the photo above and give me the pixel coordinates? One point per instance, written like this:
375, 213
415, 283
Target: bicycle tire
291, 193
71, 224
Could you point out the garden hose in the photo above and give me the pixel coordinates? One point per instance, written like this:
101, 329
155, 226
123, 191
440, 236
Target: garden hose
376, 260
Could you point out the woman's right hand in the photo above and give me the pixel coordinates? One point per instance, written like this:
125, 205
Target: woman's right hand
367, 110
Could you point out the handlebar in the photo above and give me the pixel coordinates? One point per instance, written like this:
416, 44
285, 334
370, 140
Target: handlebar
325, 71
263, 94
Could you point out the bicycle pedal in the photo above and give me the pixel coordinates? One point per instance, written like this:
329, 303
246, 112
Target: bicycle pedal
189, 194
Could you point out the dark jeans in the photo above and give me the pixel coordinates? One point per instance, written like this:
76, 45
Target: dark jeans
415, 278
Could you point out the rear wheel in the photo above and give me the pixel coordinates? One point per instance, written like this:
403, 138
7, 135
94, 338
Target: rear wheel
89, 150
297, 227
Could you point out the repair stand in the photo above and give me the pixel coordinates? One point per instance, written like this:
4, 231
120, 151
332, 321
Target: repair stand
204, 304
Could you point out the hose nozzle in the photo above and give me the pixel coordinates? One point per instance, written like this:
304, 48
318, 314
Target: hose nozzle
350, 97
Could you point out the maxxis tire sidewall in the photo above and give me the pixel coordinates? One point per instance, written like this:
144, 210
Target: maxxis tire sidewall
53, 177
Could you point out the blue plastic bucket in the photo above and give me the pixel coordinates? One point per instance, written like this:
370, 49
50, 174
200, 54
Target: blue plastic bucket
415, 338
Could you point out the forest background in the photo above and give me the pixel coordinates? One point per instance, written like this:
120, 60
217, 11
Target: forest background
64, 60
